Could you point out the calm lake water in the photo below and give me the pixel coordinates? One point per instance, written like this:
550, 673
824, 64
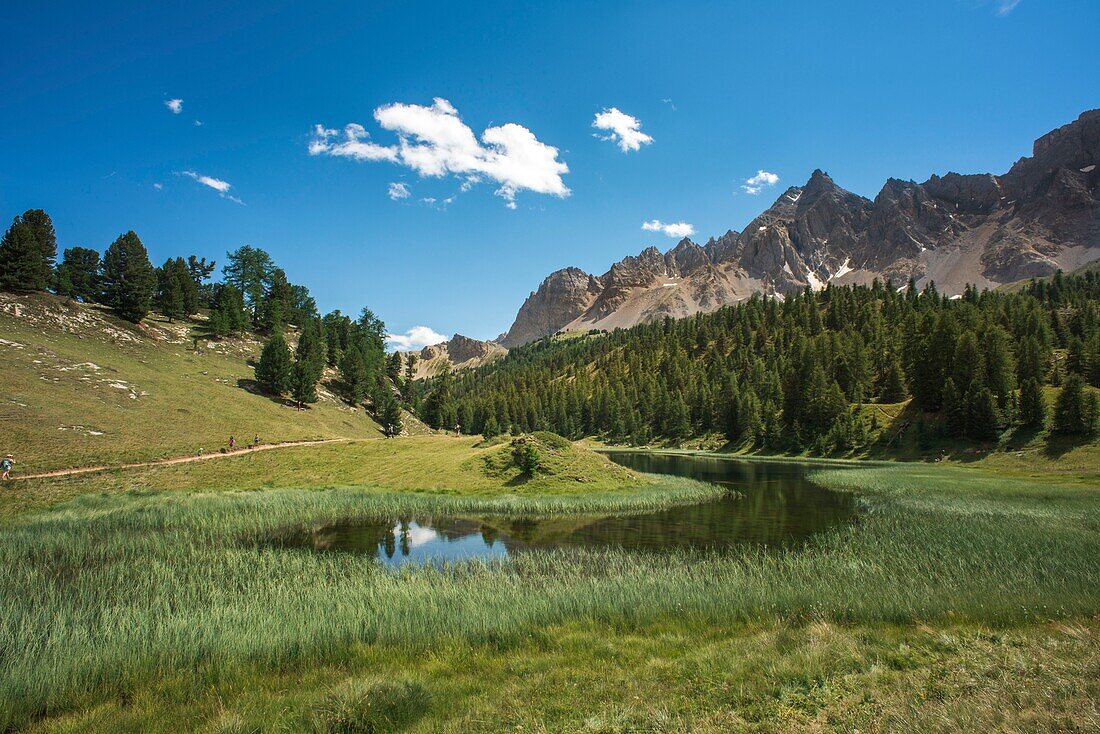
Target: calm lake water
774, 505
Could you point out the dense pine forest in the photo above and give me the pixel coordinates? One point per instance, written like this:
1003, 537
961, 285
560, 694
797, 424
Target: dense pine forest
794, 374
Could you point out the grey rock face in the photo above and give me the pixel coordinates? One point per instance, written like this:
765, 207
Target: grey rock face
1043, 214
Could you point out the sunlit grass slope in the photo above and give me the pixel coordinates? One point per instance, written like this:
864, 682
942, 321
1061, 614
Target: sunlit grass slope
78, 387
434, 464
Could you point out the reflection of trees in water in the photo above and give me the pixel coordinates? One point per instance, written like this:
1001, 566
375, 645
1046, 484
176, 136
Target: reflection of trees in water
776, 506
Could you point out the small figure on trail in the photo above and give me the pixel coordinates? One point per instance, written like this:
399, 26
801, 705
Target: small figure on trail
256, 441
232, 443
458, 429
201, 450
6, 464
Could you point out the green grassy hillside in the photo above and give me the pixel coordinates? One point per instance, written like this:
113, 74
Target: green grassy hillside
80, 387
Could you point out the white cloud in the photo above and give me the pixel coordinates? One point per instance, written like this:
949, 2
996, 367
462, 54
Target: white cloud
1004, 7
158, 186
435, 142
417, 337
222, 187
758, 182
669, 229
399, 191
175, 105
198, 123
354, 145
624, 129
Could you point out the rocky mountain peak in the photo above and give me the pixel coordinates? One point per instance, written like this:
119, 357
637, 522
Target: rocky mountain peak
956, 229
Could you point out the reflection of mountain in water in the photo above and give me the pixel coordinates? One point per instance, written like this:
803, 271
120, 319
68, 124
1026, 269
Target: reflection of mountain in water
775, 506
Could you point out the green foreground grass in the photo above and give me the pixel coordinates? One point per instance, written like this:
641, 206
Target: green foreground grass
960, 600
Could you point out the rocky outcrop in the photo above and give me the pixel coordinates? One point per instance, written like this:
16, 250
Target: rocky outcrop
458, 353
561, 298
979, 229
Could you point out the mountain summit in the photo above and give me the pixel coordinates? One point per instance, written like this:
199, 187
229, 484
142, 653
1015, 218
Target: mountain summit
1041, 216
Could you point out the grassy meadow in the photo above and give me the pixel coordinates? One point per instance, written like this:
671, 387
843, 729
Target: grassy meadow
81, 387
959, 600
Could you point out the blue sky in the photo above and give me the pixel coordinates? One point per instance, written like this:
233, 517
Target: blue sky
863, 90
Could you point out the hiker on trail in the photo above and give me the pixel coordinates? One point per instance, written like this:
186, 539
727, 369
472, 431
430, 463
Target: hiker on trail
6, 464
256, 441
232, 443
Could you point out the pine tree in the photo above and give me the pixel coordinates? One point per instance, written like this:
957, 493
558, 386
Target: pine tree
21, 259
128, 278
1033, 409
273, 371
981, 414
954, 409
303, 382
354, 376
229, 315
171, 278
78, 274
389, 414
892, 388
490, 429
1075, 412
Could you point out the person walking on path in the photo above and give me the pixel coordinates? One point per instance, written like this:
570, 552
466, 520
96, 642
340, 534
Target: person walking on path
232, 443
6, 464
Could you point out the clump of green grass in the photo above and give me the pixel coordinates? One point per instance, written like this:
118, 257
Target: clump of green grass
364, 707
557, 464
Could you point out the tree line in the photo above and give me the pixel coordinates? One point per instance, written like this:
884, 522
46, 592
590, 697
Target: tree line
254, 295
792, 374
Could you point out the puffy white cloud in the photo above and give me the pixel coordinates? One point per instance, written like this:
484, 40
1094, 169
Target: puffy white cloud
417, 337
624, 129
435, 142
757, 183
399, 191
175, 105
669, 229
354, 144
222, 187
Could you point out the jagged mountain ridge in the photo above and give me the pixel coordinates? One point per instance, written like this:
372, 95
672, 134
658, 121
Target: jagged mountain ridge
986, 230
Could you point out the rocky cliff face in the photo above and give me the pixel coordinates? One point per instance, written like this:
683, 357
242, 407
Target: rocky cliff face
982, 229
458, 353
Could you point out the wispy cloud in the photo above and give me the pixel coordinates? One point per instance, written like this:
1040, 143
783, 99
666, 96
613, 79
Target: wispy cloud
623, 129
1004, 7
669, 102
222, 187
174, 105
669, 229
759, 182
435, 142
417, 337
399, 191
158, 186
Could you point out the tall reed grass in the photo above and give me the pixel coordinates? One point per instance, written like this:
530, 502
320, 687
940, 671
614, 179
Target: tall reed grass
105, 593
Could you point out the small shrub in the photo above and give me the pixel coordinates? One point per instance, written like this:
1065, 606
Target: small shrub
362, 707
525, 456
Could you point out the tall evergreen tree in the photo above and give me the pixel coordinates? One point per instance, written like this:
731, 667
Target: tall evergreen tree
21, 261
1033, 409
78, 274
354, 376
273, 371
128, 278
1075, 410
250, 270
173, 282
